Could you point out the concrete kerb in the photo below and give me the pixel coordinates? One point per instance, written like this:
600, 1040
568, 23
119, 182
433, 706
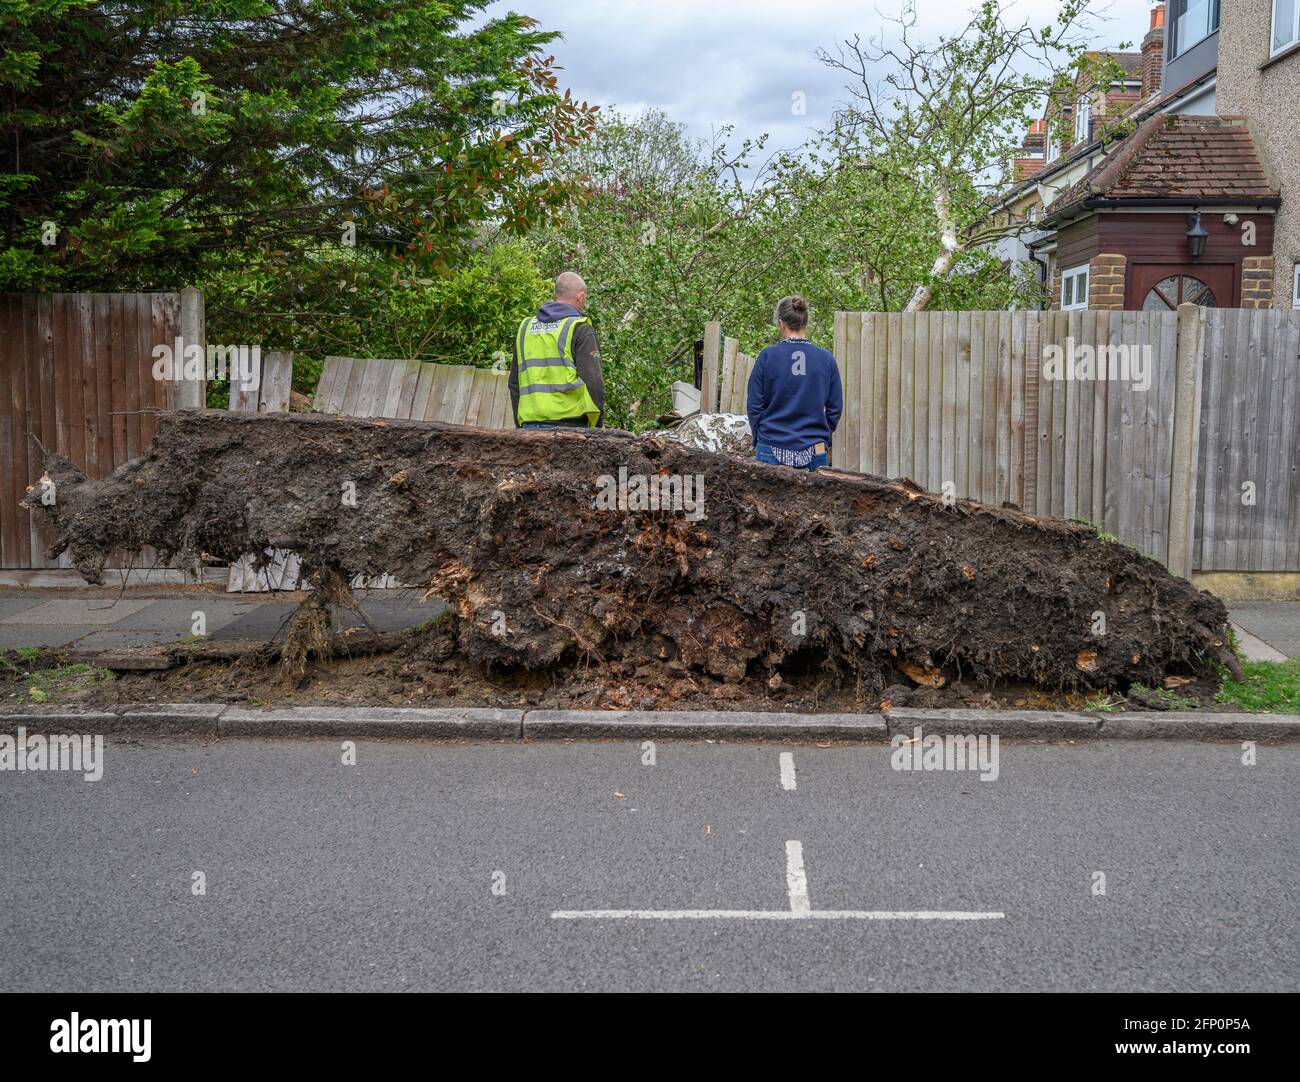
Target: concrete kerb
476, 722
1202, 726
700, 725
157, 719
216, 719
1011, 724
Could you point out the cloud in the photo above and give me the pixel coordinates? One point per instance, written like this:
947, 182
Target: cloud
710, 63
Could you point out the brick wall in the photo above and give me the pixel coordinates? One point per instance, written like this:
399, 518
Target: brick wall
1106, 278
1257, 281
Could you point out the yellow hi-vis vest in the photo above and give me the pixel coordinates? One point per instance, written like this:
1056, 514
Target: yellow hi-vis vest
549, 386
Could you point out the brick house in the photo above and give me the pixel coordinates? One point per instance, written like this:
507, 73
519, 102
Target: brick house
1073, 136
1182, 210
1199, 201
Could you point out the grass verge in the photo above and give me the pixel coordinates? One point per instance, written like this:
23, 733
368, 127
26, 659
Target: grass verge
40, 676
1266, 686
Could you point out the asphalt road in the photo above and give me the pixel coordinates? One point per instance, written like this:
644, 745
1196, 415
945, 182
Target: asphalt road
380, 875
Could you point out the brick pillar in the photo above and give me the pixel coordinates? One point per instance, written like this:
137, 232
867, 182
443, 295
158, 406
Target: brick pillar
1106, 277
1257, 281
1056, 287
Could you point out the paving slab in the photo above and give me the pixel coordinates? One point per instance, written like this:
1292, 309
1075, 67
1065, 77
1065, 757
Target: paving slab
12, 606
95, 640
701, 724
77, 612
174, 617
1015, 724
1275, 622
269, 615
18, 635
393, 610
348, 722
1253, 648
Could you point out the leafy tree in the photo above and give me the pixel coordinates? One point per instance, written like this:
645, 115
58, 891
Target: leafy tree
671, 233
932, 126
462, 317
872, 231
161, 138
674, 233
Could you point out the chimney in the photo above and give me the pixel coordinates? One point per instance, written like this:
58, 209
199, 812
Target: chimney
1153, 53
1032, 152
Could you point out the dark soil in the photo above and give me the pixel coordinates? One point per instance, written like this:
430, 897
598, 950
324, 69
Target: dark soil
415, 676
793, 591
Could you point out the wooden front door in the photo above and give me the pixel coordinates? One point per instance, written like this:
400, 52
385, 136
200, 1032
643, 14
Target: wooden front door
1162, 287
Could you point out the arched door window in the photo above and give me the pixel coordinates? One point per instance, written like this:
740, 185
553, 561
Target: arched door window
1169, 293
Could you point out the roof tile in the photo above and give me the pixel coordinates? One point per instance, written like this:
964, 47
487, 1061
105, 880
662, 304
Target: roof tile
1177, 157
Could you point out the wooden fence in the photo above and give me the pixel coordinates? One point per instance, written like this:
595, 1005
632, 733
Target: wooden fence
1248, 469
76, 372
1199, 416
369, 387
723, 390
456, 394
1196, 462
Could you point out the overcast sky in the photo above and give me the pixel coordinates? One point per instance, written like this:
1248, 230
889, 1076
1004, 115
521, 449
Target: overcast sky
709, 63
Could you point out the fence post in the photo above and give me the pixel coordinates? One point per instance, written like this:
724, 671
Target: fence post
1182, 482
192, 394
839, 451
709, 377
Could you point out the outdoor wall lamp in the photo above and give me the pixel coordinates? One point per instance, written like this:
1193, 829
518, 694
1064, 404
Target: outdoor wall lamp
1196, 235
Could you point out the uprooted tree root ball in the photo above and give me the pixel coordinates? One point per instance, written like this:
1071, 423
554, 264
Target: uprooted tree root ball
594, 547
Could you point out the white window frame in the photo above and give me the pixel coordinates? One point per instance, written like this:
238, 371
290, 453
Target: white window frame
1082, 120
1070, 280
1273, 50
1295, 286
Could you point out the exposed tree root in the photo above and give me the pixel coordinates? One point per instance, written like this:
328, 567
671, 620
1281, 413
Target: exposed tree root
871, 580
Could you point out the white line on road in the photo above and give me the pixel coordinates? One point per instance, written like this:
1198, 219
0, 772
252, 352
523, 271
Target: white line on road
770, 914
796, 879
787, 770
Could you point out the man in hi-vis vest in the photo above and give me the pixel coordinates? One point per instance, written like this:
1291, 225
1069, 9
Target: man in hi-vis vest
556, 378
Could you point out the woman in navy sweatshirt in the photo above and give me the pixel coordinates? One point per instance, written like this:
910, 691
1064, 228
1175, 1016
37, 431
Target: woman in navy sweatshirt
795, 400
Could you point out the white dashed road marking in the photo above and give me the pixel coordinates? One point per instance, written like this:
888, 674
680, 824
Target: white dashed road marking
796, 878
787, 770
